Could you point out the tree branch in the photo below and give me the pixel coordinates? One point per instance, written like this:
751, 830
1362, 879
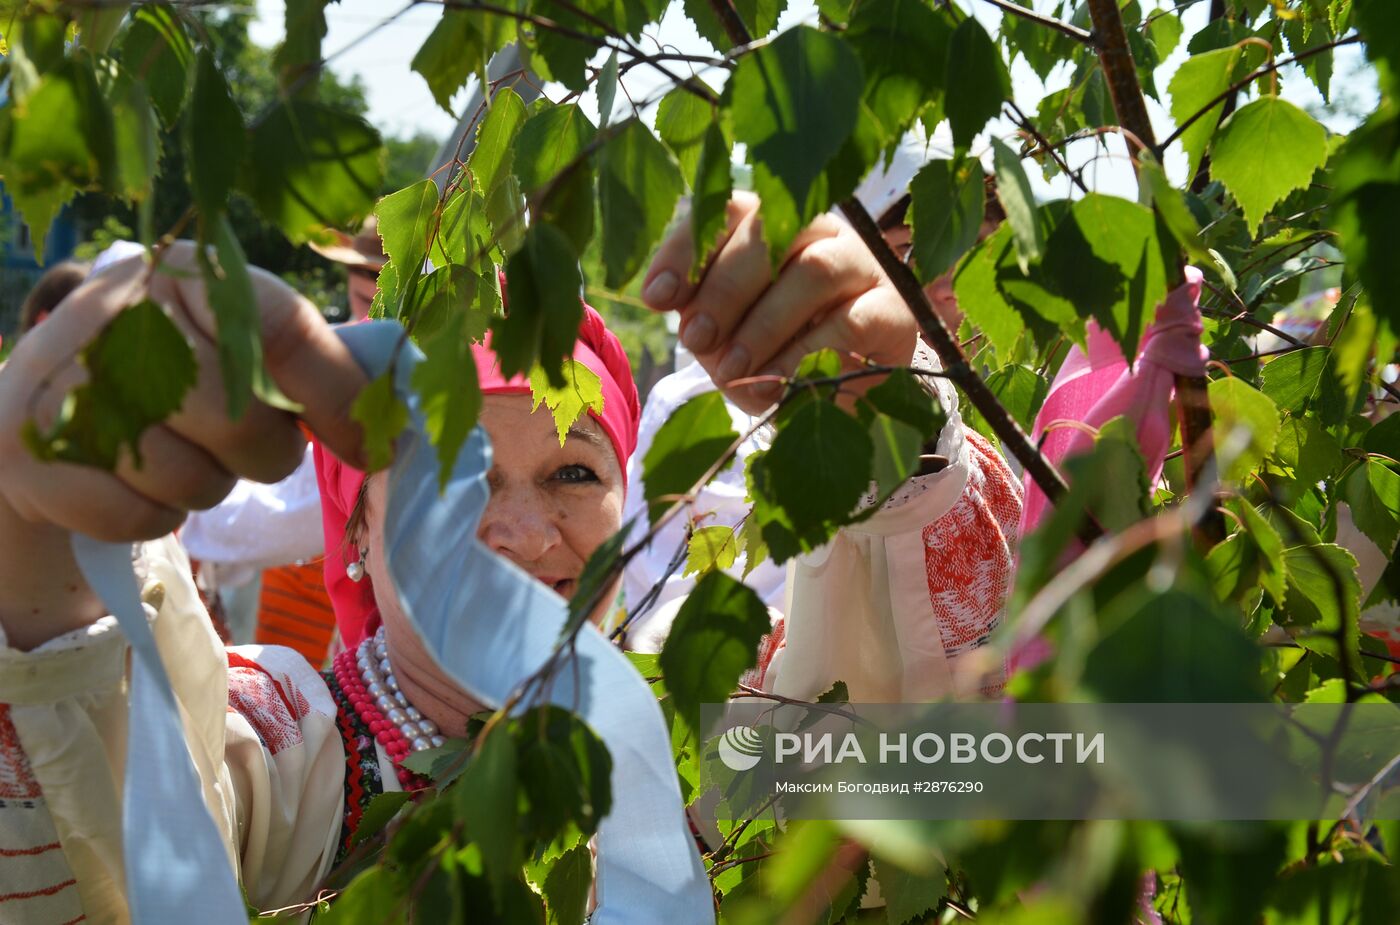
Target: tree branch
955, 364
1050, 22
1246, 81
1027, 126
1193, 400
935, 333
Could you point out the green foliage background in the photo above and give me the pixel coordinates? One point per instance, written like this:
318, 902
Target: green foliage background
1250, 564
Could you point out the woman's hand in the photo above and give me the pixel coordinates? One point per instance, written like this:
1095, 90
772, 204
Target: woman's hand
190, 461
740, 321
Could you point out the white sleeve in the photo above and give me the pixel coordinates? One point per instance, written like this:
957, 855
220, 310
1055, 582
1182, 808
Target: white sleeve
261, 526
897, 606
262, 735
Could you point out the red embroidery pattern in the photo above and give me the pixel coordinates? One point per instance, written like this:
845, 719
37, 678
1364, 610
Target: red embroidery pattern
273, 707
28, 852
35, 894
17, 781
768, 646
969, 551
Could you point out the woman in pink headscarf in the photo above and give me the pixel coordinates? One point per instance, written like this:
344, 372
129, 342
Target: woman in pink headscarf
289, 758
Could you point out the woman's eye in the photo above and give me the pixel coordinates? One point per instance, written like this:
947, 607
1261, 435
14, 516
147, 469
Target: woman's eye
576, 473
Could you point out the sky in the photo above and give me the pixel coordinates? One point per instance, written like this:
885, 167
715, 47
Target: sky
400, 104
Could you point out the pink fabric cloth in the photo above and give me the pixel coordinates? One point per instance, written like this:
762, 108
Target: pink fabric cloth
1096, 387
597, 348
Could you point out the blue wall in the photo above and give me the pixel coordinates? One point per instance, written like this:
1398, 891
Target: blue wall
18, 267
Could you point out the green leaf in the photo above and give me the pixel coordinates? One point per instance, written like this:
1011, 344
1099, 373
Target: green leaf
139, 369
903, 50
1200, 79
567, 886
607, 89
542, 322
448, 291
135, 141
383, 415
490, 160
1384, 438
1292, 380
1297, 146
981, 299
235, 306
818, 466
1305, 450
452, 53
895, 458
1173, 647
946, 208
714, 186
442, 764
1357, 891
581, 392
312, 167
405, 221
902, 397
685, 447
1169, 204
59, 140
1164, 30
464, 235
1227, 871
1373, 492
373, 896
599, 572
382, 807
1109, 259
1366, 194
157, 51
711, 548
1272, 571
760, 16
751, 541
1351, 353
1236, 404
214, 137
1021, 391
975, 68
713, 641
486, 802
794, 102
1323, 590
1379, 24
297, 60
638, 186
554, 173
449, 392
908, 896
1014, 191
565, 772
683, 120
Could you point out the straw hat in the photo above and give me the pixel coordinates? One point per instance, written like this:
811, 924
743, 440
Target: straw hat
363, 250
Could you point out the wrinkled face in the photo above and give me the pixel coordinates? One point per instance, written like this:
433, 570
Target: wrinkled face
550, 506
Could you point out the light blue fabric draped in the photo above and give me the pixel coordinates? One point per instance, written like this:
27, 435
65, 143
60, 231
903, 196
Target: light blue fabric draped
488, 624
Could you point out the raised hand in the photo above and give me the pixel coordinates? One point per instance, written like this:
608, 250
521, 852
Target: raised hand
740, 321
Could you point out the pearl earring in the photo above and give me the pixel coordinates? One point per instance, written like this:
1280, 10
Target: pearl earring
355, 571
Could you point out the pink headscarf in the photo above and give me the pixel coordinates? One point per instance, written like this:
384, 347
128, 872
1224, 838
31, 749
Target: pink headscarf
1096, 388
597, 348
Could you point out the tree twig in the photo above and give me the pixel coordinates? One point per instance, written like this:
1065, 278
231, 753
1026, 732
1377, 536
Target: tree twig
1246, 81
1049, 22
1193, 397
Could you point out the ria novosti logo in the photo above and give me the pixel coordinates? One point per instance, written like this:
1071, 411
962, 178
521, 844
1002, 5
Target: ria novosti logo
740, 748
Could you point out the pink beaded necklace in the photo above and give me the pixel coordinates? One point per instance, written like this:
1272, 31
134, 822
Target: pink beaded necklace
367, 680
